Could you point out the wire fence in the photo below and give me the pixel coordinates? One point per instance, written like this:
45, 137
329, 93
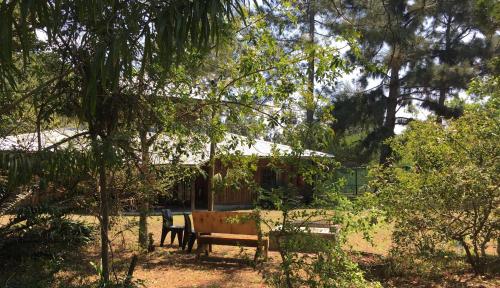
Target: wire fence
356, 180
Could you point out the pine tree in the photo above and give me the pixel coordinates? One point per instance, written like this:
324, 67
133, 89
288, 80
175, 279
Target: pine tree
388, 36
423, 52
298, 26
456, 49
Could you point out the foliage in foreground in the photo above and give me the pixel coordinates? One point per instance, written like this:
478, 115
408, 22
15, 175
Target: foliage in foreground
308, 258
447, 191
37, 243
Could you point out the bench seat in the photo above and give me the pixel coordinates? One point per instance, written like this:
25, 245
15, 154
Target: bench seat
232, 240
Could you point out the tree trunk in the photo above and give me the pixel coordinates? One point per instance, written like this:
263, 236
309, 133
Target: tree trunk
131, 269
144, 197
284, 252
38, 131
211, 174
391, 108
441, 100
445, 59
35, 199
211, 162
143, 224
470, 257
310, 106
103, 190
99, 150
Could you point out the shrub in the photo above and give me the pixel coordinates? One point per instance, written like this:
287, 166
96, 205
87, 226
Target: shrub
448, 190
47, 228
308, 259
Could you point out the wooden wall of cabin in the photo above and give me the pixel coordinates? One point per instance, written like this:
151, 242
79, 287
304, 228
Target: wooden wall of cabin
230, 195
243, 195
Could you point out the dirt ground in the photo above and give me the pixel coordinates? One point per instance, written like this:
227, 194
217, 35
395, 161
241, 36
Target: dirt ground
169, 266
224, 268
227, 266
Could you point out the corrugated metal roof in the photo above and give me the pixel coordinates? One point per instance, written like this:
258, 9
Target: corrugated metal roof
232, 144
29, 141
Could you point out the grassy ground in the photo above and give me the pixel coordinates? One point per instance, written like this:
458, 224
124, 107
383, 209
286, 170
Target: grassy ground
227, 267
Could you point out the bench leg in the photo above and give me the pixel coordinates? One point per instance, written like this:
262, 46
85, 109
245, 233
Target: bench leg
258, 252
261, 250
184, 242
200, 249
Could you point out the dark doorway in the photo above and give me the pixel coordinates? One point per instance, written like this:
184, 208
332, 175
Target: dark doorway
201, 199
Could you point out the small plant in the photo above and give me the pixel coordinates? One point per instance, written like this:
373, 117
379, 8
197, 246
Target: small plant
97, 269
151, 245
127, 282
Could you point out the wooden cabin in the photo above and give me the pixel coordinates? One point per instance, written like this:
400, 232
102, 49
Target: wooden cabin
193, 193
196, 190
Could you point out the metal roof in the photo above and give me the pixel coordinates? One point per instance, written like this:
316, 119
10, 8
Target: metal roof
231, 144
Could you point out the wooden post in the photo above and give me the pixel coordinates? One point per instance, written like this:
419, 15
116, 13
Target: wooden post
211, 174
356, 178
211, 162
193, 196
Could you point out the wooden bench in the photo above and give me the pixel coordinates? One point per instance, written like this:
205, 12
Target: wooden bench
227, 228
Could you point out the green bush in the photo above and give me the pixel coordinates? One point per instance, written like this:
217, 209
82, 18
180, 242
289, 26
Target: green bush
314, 260
43, 229
450, 192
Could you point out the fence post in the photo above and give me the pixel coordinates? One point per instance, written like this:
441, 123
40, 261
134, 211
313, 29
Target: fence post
356, 180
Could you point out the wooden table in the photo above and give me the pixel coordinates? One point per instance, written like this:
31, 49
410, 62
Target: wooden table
319, 229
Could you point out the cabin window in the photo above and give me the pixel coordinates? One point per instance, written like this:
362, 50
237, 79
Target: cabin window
184, 190
270, 178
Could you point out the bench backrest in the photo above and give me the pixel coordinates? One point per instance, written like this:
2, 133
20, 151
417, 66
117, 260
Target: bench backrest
224, 222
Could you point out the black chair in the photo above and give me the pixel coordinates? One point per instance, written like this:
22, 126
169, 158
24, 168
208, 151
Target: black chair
189, 233
168, 226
